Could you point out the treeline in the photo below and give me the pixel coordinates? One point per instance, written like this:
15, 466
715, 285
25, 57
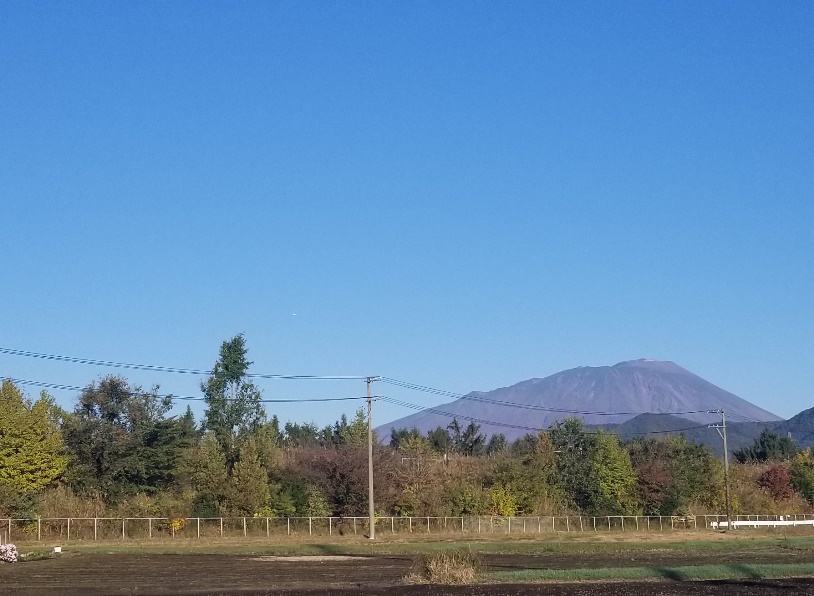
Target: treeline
119, 452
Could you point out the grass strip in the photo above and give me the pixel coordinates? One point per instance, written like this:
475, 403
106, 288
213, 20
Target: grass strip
428, 546
687, 573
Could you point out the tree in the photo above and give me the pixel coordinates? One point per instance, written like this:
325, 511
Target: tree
233, 403
122, 441
467, 442
32, 452
777, 482
207, 474
248, 485
672, 474
497, 444
769, 446
802, 474
574, 448
440, 440
613, 477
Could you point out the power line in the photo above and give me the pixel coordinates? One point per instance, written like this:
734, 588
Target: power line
521, 427
172, 369
499, 402
461, 416
179, 397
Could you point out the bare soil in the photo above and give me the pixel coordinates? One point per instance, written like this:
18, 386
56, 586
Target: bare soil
85, 574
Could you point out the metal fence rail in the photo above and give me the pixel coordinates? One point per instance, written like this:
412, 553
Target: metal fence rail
145, 528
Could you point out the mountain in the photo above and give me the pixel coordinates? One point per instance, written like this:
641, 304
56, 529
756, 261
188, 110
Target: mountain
604, 395
739, 434
800, 427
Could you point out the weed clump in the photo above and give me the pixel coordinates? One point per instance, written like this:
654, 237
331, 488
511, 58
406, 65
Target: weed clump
452, 567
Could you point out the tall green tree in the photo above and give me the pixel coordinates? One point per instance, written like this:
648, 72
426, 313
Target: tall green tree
574, 447
32, 451
122, 441
233, 403
612, 477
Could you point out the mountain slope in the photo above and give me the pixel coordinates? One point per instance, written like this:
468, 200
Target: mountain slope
626, 389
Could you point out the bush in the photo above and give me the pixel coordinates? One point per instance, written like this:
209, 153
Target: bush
455, 567
776, 481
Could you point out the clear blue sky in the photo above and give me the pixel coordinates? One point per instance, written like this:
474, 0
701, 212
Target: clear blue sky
458, 194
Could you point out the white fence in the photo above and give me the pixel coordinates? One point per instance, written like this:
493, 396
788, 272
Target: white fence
139, 528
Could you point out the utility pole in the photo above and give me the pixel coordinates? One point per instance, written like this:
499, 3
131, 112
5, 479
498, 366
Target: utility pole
371, 510
721, 428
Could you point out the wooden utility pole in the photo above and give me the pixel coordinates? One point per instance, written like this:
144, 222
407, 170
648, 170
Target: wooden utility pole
371, 509
721, 428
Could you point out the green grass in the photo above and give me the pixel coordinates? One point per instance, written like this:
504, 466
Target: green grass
537, 546
688, 573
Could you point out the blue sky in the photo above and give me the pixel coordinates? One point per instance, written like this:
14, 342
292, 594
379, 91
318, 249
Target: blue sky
458, 194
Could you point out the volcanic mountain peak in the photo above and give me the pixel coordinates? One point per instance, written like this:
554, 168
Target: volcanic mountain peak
598, 395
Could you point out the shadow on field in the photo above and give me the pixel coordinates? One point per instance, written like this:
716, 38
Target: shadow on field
748, 572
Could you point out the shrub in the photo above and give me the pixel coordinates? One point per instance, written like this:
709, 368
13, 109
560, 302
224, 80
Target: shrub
776, 481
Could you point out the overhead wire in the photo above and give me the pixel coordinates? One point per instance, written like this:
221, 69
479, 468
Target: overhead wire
59, 386
172, 369
515, 426
536, 407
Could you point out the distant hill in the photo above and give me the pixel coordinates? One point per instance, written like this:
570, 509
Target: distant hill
739, 434
607, 395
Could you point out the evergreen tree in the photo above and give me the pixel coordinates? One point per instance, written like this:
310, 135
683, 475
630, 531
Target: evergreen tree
207, 475
248, 485
767, 447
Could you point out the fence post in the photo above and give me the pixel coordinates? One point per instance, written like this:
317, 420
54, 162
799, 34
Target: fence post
567, 524
95, 527
553, 528
623, 522
9, 529
267, 527
244, 527
288, 525
150, 527
69, 529
221, 527
479, 524
309, 526
39, 530
462, 524
428, 525
581, 529
330, 526
354, 524
123, 519
409, 518
510, 525
594, 523
199, 527
392, 525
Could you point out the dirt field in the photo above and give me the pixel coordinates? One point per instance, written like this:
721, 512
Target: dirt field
90, 574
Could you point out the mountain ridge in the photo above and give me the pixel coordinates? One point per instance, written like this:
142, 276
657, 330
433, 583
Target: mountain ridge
606, 395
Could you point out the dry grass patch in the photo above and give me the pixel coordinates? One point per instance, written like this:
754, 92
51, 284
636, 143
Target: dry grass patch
451, 567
